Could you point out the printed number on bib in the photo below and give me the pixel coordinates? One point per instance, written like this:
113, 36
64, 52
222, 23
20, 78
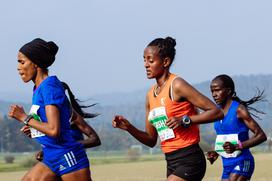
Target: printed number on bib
157, 117
221, 139
33, 111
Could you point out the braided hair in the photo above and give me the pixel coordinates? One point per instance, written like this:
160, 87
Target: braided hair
76, 106
229, 83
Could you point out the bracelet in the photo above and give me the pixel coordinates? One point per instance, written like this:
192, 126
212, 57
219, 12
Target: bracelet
240, 146
27, 119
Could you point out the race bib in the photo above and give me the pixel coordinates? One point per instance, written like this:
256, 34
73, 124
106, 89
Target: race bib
157, 117
33, 111
221, 139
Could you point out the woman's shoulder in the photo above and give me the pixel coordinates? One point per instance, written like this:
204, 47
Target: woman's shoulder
178, 82
52, 82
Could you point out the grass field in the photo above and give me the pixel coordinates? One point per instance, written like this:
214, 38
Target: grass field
155, 171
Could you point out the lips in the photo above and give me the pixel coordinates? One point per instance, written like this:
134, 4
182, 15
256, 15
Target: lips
217, 101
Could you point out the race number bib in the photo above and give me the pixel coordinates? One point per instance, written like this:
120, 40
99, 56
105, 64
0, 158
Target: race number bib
157, 117
221, 139
33, 111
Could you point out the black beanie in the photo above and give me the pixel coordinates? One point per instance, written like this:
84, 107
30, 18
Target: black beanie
40, 52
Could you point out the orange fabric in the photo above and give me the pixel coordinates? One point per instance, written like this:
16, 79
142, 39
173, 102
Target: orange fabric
183, 136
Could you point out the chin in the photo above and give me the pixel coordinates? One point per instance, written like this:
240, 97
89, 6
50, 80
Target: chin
149, 76
219, 103
25, 80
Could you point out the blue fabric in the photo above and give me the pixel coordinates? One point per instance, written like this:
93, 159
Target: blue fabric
51, 92
230, 124
243, 167
67, 161
76, 133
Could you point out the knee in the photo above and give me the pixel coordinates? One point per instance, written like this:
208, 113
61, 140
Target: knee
27, 177
31, 177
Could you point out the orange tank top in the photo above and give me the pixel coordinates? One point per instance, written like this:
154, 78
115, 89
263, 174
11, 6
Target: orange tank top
181, 137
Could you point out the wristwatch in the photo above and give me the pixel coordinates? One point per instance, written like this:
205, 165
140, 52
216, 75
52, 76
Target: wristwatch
186, 121
27, 119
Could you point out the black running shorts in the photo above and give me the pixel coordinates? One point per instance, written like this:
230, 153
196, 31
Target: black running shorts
187, 163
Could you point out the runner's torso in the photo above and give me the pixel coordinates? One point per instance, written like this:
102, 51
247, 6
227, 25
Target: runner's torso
162, 108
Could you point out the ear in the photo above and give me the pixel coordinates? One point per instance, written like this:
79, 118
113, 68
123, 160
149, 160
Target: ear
229, 91
166, 62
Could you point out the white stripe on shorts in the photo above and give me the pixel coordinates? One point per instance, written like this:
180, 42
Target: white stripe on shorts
74, 157
246, 166
67, 160
70, 157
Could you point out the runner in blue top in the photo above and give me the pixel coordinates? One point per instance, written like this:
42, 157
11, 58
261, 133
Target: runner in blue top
233, 141
78, 125
49, 117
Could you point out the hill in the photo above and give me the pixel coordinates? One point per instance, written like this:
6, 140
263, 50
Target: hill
131, 105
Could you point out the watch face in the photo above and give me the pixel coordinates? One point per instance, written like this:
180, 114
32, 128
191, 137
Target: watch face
186, 120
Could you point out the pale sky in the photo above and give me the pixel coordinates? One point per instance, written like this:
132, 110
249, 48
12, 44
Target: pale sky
101, 42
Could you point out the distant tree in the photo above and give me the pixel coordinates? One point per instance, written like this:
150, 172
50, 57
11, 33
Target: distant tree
11, 138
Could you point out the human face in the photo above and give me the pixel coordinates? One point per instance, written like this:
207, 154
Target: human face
219, 92
26, 68
152, 62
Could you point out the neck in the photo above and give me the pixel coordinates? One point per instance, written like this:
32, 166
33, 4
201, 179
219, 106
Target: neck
40, 76
226, 106
163, 79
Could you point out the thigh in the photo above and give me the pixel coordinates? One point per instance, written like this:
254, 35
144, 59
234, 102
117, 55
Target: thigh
174, 178
67, 161
82, 175
243, 170
236, 177
40, 172
191, 168
240, 171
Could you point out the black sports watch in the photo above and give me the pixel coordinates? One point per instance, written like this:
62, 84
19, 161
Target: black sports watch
27, 119
186, 121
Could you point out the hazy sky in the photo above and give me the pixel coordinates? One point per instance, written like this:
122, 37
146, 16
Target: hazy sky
101, 42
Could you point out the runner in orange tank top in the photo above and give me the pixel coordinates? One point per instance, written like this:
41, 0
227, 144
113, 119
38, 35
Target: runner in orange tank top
171, 114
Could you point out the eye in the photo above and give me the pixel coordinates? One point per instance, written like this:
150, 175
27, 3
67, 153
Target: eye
21, 61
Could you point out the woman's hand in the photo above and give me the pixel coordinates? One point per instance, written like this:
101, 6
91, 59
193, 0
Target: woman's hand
39, 156
17, 112
26, 130
229, 147
120, 122
212, 156
173, 122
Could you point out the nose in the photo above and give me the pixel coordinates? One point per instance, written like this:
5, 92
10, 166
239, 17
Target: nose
146, 64
214, 95
18, 67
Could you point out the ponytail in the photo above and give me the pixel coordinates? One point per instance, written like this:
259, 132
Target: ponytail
258, 97
76, 106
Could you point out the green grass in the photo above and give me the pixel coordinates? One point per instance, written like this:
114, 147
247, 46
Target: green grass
25, 161
155, 170
7, 167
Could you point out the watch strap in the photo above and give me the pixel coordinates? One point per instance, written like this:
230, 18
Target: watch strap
27, 119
